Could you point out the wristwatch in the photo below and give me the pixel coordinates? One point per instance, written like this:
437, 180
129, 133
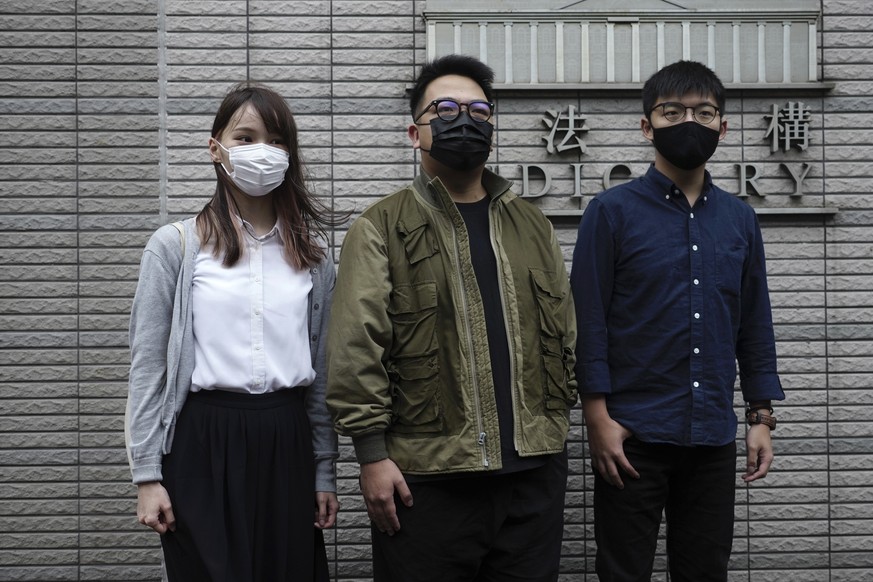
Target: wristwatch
761, 417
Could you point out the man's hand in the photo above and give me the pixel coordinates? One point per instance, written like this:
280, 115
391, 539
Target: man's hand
153, 507
605, 441
759, 452
379, 481
326, 508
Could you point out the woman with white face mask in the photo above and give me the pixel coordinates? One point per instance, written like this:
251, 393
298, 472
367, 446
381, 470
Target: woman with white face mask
229, 441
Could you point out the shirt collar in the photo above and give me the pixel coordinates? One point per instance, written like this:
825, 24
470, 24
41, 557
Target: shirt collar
250, 230
667, 189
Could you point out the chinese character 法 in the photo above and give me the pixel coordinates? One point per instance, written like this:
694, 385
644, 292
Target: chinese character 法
569, 124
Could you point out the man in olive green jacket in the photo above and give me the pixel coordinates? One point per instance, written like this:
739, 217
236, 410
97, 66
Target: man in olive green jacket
451, 355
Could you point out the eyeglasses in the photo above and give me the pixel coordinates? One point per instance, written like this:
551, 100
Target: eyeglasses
449, 110
674, 112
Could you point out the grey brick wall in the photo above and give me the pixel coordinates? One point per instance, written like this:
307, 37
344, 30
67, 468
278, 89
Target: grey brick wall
105, 108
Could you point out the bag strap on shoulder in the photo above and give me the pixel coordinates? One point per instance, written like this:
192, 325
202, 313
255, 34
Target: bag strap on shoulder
181, 228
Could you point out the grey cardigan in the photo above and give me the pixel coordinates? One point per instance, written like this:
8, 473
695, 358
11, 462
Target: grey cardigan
162, 355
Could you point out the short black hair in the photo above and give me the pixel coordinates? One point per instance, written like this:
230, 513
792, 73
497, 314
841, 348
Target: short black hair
682, 78
452, 65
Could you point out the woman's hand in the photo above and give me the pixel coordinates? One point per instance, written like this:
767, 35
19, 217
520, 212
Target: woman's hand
153, 507
326, 508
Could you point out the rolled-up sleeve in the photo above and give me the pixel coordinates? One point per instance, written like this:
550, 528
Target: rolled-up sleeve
591, 279
756, 345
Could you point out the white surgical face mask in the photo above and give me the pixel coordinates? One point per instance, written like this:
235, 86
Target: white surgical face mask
258, 168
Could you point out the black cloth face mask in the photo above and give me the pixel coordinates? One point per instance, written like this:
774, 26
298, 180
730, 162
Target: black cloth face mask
461, 144
687, 145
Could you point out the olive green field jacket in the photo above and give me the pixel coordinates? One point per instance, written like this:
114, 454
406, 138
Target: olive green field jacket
409, 370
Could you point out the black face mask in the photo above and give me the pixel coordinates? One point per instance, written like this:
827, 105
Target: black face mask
462, 144
687, 145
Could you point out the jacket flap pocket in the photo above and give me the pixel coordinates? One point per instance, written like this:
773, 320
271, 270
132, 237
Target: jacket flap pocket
546, 283
413, 298
417, 239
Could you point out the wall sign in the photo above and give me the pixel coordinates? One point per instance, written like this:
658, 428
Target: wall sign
788, 132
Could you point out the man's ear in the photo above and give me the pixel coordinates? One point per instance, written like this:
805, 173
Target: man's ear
414, 138
722, 130
646, 128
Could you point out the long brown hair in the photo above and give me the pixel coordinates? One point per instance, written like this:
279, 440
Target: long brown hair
301, 216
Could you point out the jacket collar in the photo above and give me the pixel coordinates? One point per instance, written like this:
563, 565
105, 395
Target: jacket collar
434, 191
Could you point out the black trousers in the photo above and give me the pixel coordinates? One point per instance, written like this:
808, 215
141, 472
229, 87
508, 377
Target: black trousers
241, 478
695, 486
501, 528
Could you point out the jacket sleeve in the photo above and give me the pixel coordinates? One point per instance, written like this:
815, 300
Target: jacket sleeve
359, 339
324, 440
151, 319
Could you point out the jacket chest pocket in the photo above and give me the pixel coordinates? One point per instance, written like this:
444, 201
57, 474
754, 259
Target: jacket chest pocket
418, 241
413, 309
556, 355
413, 367
413, 364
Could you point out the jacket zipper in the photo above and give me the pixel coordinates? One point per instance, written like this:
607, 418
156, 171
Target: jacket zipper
473, 377
511, 351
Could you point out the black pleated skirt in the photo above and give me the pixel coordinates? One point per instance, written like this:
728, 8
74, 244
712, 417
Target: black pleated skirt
241, 479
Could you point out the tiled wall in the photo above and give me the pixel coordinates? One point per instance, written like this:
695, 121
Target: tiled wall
105, 110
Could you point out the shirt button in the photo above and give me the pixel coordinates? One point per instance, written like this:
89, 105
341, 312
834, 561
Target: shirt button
697, 384
314, 270
667, 197
693, 247
692, 215
696, 350
697, 282
696, 316
257, 348
314, 338
257, 311
315, 306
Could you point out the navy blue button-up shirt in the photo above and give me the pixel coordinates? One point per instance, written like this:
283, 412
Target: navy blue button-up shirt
668, 299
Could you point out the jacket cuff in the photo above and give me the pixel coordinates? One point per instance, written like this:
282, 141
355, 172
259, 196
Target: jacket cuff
370, 447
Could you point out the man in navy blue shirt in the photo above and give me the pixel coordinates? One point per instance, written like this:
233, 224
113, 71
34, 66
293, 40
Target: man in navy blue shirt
671, 293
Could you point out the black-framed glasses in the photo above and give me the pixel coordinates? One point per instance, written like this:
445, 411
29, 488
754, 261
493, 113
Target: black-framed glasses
449, 109
674, 112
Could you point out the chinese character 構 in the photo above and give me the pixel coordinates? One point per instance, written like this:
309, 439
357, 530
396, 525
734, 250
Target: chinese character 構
789, 126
